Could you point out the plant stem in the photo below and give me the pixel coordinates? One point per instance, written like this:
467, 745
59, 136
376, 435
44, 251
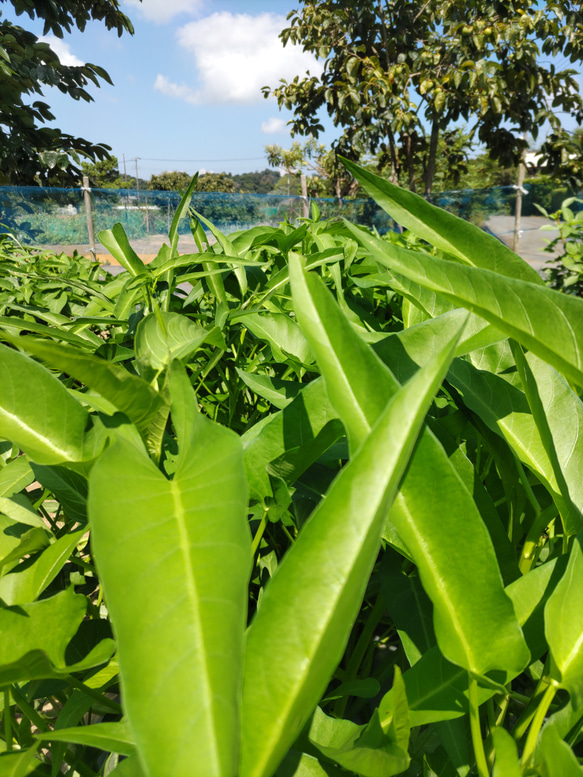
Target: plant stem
477, 740
359, 652
259, 534
540, 522
7, 720
537, 724
28, 710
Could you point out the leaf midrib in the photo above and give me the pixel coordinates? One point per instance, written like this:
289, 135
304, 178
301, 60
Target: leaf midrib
193, 599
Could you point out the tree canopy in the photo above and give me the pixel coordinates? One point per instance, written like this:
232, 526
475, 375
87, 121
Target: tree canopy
398, 75
30, 152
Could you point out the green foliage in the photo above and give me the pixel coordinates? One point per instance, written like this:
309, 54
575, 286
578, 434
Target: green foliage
565, 270
397, 76
104, 174
306, 501
215, 182
27, 66
172, 181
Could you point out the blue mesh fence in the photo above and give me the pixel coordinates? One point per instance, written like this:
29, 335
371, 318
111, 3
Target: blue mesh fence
57, 217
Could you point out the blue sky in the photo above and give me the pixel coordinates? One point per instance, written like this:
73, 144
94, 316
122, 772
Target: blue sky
187, 84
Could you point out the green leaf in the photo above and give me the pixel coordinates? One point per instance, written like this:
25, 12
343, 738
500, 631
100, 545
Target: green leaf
466, 241
128, 393
290, 441
129, 767
556, 759
47, 625
18, 764
458, 569
279, 392
174, 557
365, 750
27, 582
117, 243
180, 213
296, 764
15, 476
162, 337
564, 626
37, 412
505, 410
111, 737
469, 600
548, 323
347, 363
552, 401
68, 487
281, 332
507, 763
301, 628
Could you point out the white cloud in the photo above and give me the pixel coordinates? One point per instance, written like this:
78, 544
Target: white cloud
62, 50
235, 55
273, 126
178, 91
161, 11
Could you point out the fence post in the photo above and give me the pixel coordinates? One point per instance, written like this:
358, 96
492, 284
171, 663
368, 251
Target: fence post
520, 190
87, 196
304, 185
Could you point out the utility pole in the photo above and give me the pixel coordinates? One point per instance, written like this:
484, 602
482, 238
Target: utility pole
125, 175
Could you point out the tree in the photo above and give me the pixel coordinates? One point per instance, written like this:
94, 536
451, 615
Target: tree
104, 174
328, 179
170, 181
29, 152
216, 182
398, 75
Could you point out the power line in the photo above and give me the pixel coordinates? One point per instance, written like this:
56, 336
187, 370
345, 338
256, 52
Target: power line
241, 159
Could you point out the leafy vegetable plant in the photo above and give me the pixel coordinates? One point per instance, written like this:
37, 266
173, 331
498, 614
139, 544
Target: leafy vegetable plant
305, 502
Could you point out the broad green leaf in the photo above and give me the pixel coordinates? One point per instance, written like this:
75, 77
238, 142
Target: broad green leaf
548, 323
458, 569
346, 362
365, 750
301, 628
37, 412
507, 763
505, 410
296, 764
15, 476
112, 737
69, 488
564, 626
129, 393
47, 625
462, 239
174, 558
27, 582
162, 337
281, 332
22, 325
18, 764
279, 392
117, 243
19, 508
437, 690
288, 442
554, 756
552, 401
455, 739
469, 600
29, 542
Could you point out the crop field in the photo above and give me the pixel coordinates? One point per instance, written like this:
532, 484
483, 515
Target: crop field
305, 501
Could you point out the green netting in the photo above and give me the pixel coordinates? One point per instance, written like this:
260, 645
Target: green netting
57, 217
